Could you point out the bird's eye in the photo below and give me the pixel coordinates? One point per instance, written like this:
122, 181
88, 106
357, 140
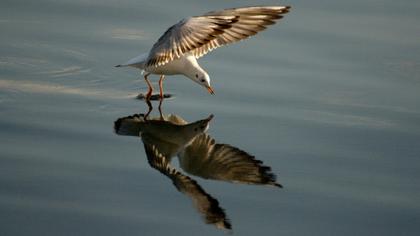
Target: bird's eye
202, 80
196, 75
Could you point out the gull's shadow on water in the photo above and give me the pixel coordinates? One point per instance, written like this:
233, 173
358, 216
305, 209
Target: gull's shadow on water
199, 154
154, 97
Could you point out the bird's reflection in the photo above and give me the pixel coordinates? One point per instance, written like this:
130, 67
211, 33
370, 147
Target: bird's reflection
198, 154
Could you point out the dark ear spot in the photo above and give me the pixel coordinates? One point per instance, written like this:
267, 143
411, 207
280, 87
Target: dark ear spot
196, 76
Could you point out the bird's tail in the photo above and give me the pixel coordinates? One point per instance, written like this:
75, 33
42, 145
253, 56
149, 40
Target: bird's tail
121, 65
137, 62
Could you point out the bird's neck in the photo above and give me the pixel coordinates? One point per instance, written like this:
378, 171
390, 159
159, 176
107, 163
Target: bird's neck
192, 67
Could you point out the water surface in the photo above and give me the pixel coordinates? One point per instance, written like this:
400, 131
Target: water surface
328, 98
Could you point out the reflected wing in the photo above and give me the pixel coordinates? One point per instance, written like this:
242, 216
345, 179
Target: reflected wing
204, 158
203, 202
200, 34
129, 125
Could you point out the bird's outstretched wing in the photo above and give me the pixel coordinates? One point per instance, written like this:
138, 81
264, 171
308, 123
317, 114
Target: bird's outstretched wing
203, 202
210, 160
129, 125
200, 34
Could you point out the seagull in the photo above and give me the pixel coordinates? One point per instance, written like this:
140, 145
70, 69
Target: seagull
199, 155
177, 50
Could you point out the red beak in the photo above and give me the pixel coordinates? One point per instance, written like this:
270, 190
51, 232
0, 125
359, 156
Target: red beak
210, 89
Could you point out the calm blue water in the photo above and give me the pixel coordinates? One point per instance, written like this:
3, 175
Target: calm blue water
328, 98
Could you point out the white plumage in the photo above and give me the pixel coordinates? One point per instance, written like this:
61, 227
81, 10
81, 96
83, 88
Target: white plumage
177, 50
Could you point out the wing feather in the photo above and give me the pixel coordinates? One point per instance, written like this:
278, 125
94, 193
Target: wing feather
207, 205
208, 159
201, 34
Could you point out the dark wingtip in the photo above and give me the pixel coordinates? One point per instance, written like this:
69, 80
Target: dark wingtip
285, 10
117, 125
118, 66
278, 185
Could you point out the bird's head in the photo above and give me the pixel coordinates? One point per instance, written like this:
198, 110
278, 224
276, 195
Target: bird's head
202, 78
200, 126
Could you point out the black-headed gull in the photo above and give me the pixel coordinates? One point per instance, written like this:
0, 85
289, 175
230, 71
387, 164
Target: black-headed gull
199, 155
177, 50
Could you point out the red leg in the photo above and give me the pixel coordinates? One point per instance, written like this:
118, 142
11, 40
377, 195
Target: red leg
162, 77
149, 105
160, 109
149, 92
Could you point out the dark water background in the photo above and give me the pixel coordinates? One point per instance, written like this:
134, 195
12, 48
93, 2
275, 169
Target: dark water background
329, 98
